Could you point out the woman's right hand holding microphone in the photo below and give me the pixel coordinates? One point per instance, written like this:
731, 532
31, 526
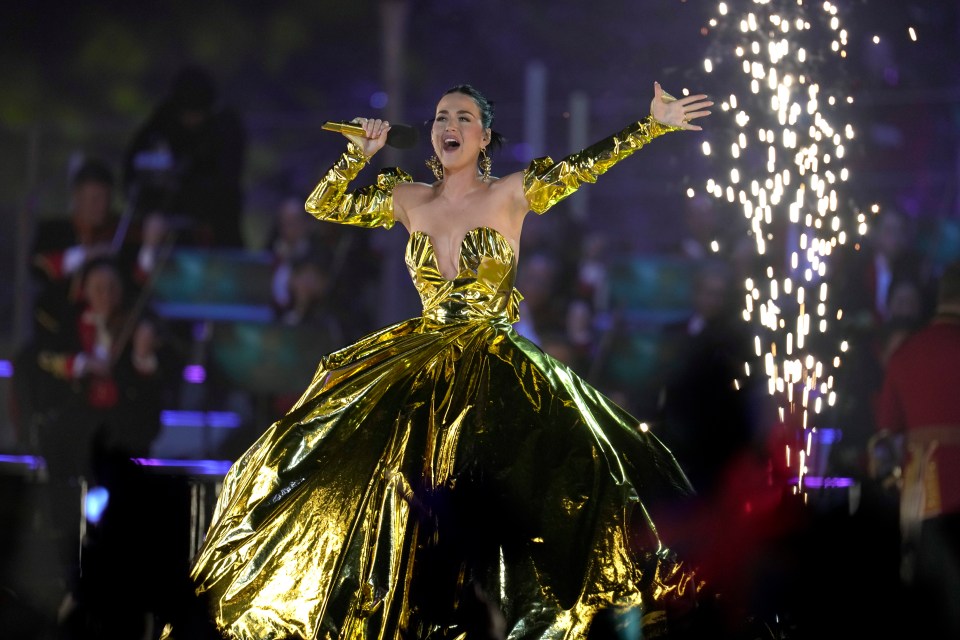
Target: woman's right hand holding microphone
375, 135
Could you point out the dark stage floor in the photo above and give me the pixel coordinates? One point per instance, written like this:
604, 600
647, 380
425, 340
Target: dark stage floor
811, 570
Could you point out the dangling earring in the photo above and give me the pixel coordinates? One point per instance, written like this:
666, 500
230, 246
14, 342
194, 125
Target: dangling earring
485, 164
435, 166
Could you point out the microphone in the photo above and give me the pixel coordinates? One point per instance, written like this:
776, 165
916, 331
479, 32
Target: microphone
400, 136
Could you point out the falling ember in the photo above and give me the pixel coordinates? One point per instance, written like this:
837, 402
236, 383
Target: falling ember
783, 166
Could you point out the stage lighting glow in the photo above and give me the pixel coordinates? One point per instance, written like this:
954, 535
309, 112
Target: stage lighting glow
200, 419
95, 503
194, 374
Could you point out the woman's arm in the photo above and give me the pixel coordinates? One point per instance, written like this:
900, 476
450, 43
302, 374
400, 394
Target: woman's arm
370, 206
546, 182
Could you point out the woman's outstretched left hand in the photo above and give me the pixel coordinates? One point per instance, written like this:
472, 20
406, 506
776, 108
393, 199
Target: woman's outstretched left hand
678, 112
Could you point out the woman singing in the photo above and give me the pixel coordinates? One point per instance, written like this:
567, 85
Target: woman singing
445, 465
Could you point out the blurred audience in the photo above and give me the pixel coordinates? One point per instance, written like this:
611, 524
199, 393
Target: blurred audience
187, 160
311, 307
63, 247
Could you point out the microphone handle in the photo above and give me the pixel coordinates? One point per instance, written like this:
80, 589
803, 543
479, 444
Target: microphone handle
400, 136
344, 127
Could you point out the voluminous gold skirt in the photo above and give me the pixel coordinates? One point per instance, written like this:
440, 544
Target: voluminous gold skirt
426, 463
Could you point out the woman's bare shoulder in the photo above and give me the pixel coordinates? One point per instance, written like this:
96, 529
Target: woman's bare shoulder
511, 180
413, 190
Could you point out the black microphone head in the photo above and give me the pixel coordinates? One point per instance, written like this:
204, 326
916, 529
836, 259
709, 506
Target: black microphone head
401, 136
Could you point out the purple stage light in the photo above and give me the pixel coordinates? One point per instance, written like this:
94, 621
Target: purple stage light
825, 482
98, 501
196, 467
197, 419
521, 151
6, 369
378, 100
194, 373
33, 462
829, 436
223, 419
181, 418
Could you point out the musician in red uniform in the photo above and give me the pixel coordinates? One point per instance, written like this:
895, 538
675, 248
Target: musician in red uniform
920, 401
112, 368
64, 245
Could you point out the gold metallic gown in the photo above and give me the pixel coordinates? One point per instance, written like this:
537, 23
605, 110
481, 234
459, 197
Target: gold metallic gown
441, 453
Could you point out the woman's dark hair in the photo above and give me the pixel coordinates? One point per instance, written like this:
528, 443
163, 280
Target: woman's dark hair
486, 110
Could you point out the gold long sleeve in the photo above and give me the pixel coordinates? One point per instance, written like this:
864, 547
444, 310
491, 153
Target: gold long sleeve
370, 206
545, 182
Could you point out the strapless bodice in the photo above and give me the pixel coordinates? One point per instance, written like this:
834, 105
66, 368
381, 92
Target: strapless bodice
483, 287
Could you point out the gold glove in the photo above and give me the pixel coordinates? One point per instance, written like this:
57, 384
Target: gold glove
370, 206
546, 182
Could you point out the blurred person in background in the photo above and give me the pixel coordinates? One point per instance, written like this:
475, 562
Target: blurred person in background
592, 266
920, 407
705, 233
310, 285
701, 225
64, 245
906, 312
297, 239
862, 274
863, 373
312, 308
292, 240
862, 280
706, 406
111, 369
543, 307
188, 160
